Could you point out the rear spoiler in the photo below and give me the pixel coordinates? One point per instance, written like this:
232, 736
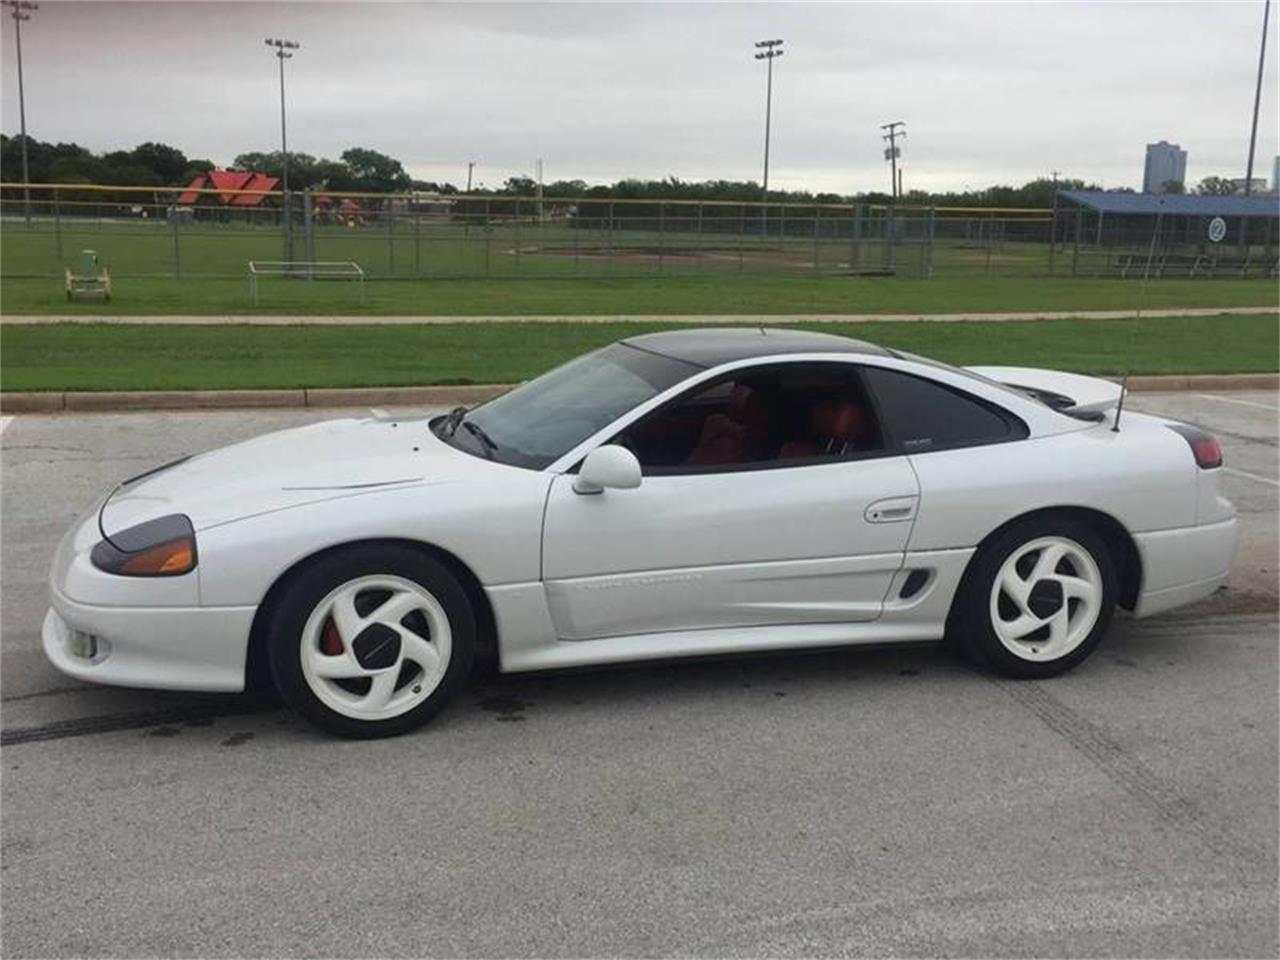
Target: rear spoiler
1072, 393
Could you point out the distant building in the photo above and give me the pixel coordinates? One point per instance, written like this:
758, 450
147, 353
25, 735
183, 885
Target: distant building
1275, 176
228, 184
1165, 162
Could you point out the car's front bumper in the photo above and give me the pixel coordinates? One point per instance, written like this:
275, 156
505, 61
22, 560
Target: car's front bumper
1183, 565
167, 648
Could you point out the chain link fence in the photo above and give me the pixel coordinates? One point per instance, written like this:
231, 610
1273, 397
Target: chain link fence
148, 233
140, 232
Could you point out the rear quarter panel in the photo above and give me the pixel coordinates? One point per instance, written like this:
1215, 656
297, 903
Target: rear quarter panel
1143, 476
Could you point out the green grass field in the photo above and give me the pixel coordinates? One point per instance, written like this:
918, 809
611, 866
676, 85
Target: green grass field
766, 294
115, 357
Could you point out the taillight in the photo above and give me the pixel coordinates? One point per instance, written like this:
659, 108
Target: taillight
1204, 447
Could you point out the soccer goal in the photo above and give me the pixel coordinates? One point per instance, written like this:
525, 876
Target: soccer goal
305, 270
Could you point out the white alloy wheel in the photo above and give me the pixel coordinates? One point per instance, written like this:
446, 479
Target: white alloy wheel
1046, 598
375, 647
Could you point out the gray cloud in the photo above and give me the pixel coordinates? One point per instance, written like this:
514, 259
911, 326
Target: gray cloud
991, 92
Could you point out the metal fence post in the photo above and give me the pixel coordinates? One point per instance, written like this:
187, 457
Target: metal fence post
816, 212
391, 243
177, 257
57, 224
488, 237
699, 233
742, 235
287, 222
933, 228
1075, 250
1053, 233
890, 231
516, 221
662, 223
574, 227
309, 231
609, 237
417, 254
991, 239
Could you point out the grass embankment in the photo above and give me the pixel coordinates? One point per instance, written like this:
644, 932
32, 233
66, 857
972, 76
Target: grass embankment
726, 294
123, 357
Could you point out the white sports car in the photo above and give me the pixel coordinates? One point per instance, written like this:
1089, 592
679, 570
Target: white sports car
675, 494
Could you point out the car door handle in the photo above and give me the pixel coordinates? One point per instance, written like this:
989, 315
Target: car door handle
892, 510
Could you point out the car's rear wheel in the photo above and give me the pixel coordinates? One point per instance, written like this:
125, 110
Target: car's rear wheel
1038, 599
372, 640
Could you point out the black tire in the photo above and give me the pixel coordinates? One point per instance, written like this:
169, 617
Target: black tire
970, 623
315, 581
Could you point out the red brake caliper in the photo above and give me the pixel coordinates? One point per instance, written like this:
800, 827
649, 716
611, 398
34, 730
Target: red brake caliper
330, 642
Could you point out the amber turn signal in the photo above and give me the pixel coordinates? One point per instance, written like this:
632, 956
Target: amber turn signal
164, 547
177, 556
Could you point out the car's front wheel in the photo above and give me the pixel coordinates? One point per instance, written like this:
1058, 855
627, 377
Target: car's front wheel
372, 640
1038, 598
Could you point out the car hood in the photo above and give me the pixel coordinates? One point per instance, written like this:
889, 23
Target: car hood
322, 461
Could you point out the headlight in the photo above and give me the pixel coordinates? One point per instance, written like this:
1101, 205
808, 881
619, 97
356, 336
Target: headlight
164, 547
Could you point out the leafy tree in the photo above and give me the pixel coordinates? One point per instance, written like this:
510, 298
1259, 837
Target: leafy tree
1215, 187
1173, 186
168, 163
520, 187
375, 171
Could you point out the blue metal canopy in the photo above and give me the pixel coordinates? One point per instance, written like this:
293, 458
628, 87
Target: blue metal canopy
1183, 205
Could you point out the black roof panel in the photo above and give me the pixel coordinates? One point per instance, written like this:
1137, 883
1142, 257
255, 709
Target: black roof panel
712, 346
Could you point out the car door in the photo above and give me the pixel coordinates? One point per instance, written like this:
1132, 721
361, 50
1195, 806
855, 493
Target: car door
805, 537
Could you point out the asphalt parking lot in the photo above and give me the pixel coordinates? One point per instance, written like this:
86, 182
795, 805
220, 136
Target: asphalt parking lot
853, 802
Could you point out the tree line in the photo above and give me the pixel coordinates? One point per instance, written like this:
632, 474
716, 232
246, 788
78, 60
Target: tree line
365, 170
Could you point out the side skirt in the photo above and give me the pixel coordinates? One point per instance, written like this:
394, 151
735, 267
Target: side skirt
527, 638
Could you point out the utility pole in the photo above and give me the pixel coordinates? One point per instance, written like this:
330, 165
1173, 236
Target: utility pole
891, 152
1257, 100
20, 10
768, 50
471, 165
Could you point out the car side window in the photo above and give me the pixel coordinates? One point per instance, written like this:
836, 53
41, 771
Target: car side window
761, 417
922, 415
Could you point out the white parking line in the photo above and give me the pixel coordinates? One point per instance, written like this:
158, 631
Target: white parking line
4, 422
1252, 476
1243, 403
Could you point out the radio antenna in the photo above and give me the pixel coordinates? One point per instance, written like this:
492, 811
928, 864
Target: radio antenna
1142, 300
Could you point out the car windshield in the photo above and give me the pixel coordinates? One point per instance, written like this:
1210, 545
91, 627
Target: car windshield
540, 421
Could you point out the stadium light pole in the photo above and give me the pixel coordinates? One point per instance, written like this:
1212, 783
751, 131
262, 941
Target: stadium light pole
282, 48
21, 10
768, 50
1257, 100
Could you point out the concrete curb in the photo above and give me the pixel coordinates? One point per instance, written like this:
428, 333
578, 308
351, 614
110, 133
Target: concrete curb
748, 320
440, 396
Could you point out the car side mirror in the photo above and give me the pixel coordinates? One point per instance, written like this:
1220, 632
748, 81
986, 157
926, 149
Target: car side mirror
609, 466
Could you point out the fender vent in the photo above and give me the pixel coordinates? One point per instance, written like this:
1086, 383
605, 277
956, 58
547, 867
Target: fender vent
914, 583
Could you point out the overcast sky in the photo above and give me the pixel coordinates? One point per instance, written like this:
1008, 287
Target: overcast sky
990, 92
